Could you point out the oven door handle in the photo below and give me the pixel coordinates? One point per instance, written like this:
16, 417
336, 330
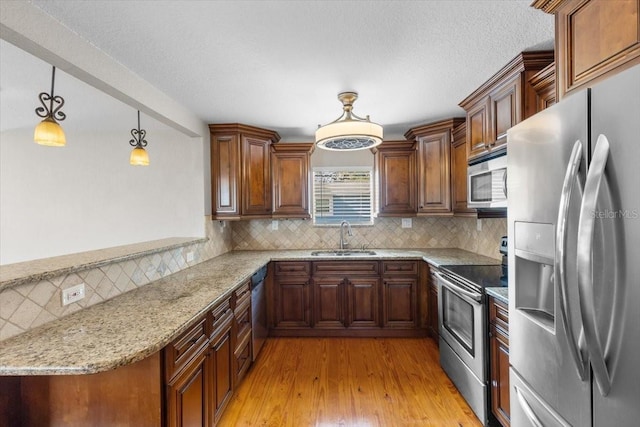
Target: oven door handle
457, 289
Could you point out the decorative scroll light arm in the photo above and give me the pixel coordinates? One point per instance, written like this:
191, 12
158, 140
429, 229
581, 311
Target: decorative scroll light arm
138, 135
50, 111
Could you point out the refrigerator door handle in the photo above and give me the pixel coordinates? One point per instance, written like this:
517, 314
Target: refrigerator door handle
585, 263
560, 261
528, 411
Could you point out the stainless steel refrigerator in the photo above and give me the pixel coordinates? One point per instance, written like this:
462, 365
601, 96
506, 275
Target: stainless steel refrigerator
574, 259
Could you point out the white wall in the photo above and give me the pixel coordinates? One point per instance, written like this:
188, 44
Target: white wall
86, 196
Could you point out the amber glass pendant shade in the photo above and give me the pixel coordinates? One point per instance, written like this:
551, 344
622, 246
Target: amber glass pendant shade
49, 133
139, 157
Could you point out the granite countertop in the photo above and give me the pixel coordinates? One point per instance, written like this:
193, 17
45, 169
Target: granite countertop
46, 268
136, 324
499, 293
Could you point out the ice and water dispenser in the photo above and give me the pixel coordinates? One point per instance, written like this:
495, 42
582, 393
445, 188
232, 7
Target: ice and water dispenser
534, 247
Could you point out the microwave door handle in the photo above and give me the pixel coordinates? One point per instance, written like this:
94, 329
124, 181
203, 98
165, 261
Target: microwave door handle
457, 289
560, 260
585, 264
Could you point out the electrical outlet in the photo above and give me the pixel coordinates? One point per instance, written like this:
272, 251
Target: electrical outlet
190, 256
72, 294
274, 225
406, 223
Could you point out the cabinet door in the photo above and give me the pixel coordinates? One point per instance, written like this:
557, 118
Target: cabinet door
506, 111
256, 177
478, 137
362, 302
459, 177
187, 395
290, 179
293, 302
397, 171
433, 309
221, 365
399, 302
328, 300
499, 348
434, 185
225, 175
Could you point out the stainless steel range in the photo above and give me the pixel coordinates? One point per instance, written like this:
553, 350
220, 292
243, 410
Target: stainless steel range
464, 332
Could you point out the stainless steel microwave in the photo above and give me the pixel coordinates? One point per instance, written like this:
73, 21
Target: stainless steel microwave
487, 182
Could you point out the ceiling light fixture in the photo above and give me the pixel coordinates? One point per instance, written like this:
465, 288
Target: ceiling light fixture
139, 156
349, 132
49, 132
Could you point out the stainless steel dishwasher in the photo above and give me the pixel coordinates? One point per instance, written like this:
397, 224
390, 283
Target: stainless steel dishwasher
259, 330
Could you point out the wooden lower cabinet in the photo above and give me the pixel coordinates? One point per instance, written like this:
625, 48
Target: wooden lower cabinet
292, 305
346, 298
362, 302
499, 360
220, 360
433, 326
328, 303
187, 394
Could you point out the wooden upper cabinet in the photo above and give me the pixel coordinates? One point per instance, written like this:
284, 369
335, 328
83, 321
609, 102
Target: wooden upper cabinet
544, 84
434, 178
396, 166
459, 172
504, 100
478, 128
290, 179
594, 39
241, 171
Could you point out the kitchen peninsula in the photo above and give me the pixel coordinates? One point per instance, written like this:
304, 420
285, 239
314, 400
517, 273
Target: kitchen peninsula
132, 329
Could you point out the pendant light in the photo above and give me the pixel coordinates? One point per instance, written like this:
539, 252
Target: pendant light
49, 132
139, 156
349, 132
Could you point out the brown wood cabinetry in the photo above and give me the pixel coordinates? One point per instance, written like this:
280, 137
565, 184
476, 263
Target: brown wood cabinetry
400, 294
499, 356
544, 84
434, 177
241, 171
396, 165
290, 179
433, 326
459, 172
241, 298
346, 298
187, 394
503, 101
594, 39
292, 296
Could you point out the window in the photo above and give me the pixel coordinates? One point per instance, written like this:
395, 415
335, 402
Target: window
343, 194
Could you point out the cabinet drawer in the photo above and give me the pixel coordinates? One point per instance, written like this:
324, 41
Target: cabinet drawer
400, 267
294, 268
499, 314
242, 294
352, 268
243, 320
220, 316
181, 350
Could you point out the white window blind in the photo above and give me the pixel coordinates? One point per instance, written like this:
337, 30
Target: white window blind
342, 194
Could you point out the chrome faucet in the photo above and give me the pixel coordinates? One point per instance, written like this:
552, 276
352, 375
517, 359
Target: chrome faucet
349, 233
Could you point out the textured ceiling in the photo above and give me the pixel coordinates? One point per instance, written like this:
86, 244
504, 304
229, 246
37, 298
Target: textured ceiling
281, 64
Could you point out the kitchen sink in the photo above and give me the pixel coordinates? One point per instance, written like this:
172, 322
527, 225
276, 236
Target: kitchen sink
343, 252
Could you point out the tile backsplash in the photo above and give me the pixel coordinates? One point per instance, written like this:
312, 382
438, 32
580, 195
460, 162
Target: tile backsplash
29, 305
426, 232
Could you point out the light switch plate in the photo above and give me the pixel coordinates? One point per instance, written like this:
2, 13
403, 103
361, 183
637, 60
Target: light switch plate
406, 223
274, 225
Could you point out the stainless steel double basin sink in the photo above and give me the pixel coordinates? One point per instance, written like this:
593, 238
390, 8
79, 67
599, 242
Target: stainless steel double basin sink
343, 252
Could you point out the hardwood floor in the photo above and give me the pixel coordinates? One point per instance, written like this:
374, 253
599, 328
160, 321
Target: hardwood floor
348, 382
